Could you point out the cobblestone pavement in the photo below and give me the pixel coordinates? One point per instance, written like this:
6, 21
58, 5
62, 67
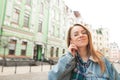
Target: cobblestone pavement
25, 72
26, 76
23, 69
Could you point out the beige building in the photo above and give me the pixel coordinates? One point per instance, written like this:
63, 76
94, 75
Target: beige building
101, 40
114, 54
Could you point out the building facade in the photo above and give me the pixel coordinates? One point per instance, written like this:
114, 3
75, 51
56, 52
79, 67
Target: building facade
114, 54
56, 31
37, 29
24, 28
101, 40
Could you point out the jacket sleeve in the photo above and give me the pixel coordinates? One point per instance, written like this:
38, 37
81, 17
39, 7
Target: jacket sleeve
113, 74
59, 68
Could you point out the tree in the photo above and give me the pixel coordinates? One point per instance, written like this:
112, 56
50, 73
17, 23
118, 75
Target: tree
99, 31
4, 45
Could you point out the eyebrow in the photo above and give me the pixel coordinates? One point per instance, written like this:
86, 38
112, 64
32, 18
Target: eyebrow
81, 31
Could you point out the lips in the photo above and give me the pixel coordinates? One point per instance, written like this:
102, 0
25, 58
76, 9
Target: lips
81, 39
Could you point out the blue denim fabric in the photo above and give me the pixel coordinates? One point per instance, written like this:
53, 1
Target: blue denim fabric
79, 72
93, 72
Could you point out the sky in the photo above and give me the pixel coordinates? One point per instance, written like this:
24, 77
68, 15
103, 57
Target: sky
105, 13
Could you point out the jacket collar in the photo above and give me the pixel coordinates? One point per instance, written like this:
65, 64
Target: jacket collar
92, 59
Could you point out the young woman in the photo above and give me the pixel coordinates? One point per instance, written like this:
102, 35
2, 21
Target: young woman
82, 62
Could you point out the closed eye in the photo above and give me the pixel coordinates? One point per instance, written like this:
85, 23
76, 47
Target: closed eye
84, 32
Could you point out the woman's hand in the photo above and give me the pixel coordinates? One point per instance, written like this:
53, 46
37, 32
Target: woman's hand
72, 49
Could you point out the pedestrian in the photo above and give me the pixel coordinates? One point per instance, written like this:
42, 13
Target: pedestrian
82, 61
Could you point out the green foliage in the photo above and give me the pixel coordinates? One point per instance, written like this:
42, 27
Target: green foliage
99, 31
3, 42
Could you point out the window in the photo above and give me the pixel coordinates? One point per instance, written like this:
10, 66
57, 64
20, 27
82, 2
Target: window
41, 8
16, 14
51, 51
58, 2
57, 51
63, 51
53, 14
66, 9
19, 0
40, 26
63, 37
53, 30
28, 2
58, 32
24, 47
12, 47
26, 20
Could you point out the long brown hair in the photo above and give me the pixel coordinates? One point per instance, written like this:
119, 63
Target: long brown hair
91, 51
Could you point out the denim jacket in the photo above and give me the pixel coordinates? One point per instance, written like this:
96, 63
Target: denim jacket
93, 71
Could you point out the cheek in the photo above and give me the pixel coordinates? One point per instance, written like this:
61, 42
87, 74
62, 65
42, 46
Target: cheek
86, 40
73, 39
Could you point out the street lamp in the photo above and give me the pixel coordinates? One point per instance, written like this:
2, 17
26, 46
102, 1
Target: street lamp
1, 30
5, 46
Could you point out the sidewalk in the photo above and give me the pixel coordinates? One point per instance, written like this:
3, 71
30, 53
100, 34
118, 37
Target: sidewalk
26, 76
25, 72
24, 69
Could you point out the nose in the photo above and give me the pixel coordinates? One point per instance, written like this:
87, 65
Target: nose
81, 34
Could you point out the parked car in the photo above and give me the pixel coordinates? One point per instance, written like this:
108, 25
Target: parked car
50, 61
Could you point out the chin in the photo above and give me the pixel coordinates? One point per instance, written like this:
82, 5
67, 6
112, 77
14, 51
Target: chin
84, 45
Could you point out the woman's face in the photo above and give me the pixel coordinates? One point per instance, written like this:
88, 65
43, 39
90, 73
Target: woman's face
79, 36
